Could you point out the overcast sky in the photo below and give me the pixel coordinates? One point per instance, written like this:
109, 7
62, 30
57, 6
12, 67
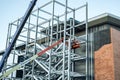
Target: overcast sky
11, 10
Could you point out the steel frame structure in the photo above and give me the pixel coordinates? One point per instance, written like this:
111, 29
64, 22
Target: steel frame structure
40, 32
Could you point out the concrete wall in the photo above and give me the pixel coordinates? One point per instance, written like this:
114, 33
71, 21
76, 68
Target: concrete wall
101, 38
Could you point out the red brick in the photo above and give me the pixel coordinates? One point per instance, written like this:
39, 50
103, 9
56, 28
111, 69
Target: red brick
104, 67
107, 59
115, 38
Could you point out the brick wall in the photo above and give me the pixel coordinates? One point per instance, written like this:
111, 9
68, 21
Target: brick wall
104, 66
107, 58
115, 38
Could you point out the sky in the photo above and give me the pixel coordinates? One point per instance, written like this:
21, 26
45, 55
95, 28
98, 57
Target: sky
11, 10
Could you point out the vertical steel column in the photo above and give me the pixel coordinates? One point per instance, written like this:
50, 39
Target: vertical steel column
69, 49
26, 45
57, 27
51, 39
69, 58
74, 23
87, 57
60, 32
8, 34
13, 62
73, 34
91, 56
49, 33
7, 44
46, 32
65, 25
91, 42
9, 41
71, 28
35, 50
8, 37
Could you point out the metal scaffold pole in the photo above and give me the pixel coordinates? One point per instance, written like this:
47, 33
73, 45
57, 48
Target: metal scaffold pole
51, 39
35, 42
26, 46
64, 41
69, 58
73, 34
87, 57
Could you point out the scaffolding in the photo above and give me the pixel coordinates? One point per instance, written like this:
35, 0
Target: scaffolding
43, 28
